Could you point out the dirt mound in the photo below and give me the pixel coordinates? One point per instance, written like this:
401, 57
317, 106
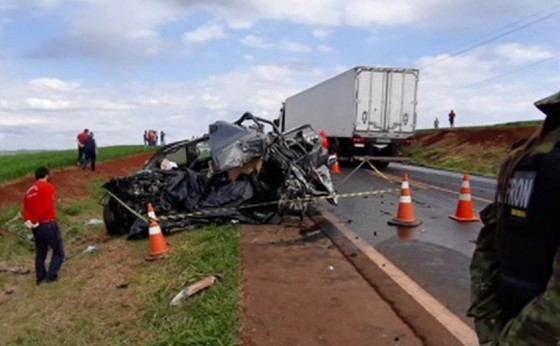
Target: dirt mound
470, 150
71, 183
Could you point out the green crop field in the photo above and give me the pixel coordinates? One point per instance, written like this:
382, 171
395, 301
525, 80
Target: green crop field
13, 166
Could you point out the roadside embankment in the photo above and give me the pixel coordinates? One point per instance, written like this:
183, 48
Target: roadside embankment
471, 150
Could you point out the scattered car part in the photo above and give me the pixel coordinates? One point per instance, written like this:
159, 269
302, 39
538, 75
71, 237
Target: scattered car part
192, 289
15, 270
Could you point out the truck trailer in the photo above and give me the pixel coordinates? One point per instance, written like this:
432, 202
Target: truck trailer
366, 112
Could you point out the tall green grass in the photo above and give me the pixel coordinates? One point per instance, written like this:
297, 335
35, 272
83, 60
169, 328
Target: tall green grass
15, 166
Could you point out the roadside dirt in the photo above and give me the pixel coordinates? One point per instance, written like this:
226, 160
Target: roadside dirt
71, 182
455, 148
298, 289
499, 137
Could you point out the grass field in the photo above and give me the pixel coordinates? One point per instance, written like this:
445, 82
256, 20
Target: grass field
115, 297
15, 166
514, 124
486, 164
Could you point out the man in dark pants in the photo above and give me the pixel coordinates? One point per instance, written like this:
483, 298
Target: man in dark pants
40, 216
81, 140
90, 151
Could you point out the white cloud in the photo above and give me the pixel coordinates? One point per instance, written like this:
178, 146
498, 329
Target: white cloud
127, 29
40, 104
260, 42
517, 53
204, 33
479, 87
54, 84
256, 41
119, 113
321, 34
142, 34
295, 47
325, 48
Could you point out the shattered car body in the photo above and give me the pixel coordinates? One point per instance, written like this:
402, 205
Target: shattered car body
235, 172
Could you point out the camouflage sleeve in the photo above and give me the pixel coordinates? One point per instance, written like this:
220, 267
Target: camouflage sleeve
539, 322
484, 307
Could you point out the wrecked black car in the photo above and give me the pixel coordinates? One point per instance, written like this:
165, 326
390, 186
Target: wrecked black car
247, 171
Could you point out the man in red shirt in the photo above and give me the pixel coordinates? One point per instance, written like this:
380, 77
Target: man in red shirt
40, 216
81, 140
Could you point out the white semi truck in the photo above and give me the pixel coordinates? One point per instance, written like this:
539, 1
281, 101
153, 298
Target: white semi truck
367, 112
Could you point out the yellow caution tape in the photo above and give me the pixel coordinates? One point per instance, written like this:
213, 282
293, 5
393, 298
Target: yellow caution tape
180, 216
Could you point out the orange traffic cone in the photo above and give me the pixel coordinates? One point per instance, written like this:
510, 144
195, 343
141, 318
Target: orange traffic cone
465, 208
157, 244
335, 168
405, 211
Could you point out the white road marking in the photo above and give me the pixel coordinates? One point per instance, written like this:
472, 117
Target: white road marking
450, 321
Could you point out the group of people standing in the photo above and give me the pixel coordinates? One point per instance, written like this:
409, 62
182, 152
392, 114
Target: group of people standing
151, 138
87, 149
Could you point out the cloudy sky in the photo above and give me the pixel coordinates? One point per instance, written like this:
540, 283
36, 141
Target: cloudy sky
119, 67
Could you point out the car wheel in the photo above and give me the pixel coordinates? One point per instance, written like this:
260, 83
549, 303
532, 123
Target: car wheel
111, 219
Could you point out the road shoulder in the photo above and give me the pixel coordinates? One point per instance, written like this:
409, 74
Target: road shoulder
427, 317
298, 289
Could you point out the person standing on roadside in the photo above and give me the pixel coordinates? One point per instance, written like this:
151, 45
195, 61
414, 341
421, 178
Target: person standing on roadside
436, 123
515, 268
162, 138
90, 151
81, 140
40, 216
451, 118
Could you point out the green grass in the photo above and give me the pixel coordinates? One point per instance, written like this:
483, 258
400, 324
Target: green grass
486, 164
213, 317
19, 165
86, 308
527, 123
514, 124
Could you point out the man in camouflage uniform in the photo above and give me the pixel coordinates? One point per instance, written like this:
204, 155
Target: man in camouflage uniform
515, 269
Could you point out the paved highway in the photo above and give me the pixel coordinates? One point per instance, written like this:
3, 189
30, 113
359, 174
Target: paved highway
435, 254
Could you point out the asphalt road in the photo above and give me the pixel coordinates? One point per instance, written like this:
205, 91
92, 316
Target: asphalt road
435, 254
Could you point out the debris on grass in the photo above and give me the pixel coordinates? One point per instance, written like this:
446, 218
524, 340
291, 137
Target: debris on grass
91, 249
94, 222
15, 270
192, 289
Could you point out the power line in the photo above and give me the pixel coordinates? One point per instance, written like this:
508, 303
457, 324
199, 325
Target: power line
511, 71
494, 38
519, 21
497, 76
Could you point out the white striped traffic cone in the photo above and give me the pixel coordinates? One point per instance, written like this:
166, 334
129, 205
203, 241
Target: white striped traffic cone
465, 208
405, 211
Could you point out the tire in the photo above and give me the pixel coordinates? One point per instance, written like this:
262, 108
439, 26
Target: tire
111, 219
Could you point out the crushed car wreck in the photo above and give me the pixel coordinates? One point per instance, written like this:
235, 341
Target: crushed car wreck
238, 171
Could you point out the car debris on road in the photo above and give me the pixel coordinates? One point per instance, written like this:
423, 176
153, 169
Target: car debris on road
237, 172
